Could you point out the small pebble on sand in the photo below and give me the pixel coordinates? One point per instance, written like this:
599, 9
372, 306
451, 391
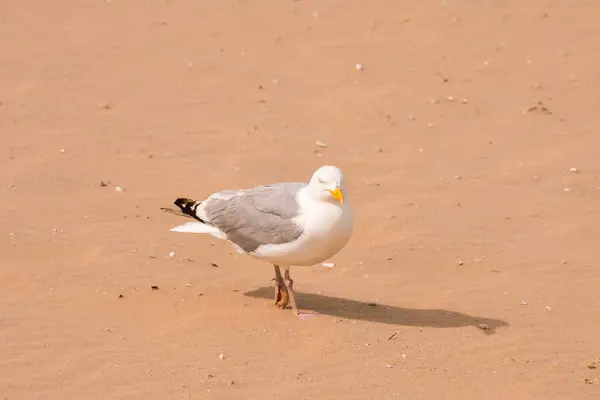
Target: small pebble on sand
172, 254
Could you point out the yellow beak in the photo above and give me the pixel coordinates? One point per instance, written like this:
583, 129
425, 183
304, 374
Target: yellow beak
338, 195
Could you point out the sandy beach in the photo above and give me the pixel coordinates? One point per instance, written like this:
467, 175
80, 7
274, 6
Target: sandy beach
468, 133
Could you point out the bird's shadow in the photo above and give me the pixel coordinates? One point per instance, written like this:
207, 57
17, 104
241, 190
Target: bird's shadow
358, 310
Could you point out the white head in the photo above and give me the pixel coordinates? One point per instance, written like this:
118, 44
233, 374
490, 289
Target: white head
327, 184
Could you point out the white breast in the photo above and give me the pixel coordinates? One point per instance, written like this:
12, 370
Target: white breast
327, 228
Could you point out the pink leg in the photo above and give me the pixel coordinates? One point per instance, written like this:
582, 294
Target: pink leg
289, 283
281, 295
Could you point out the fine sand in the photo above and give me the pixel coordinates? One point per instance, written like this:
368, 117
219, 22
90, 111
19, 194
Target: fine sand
469, 136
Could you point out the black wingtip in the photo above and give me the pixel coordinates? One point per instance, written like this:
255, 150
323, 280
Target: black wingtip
188, 206
182, 202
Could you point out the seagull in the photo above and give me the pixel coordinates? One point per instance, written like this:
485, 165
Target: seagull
285, 224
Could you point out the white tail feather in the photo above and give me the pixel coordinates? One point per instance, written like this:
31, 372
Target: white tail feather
195, 227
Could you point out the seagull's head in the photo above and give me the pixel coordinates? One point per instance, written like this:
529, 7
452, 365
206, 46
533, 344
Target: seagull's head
327, 184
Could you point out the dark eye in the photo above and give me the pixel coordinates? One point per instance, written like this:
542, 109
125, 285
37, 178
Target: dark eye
321, 181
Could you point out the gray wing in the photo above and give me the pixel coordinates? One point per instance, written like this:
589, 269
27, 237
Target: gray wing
257, 216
